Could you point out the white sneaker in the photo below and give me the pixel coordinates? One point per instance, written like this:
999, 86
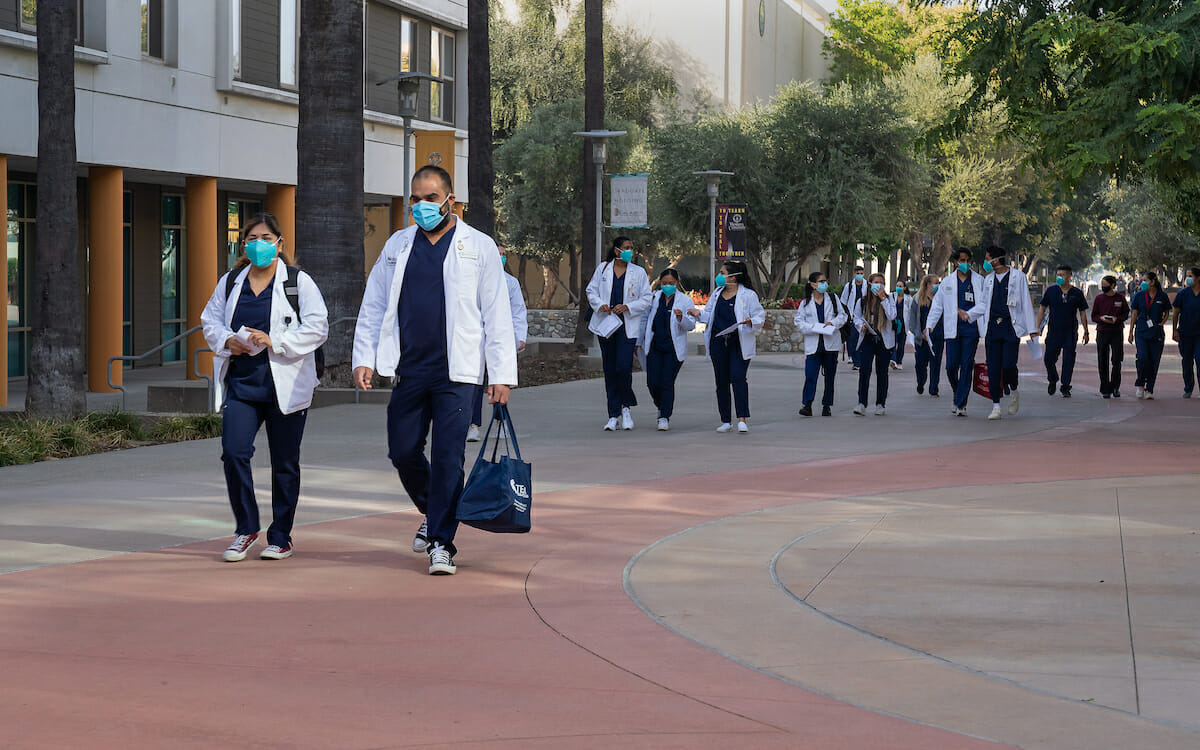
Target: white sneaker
743, 427
473, 434
893, 365
962, 411
421, 539
1014, 403
1141, 392
663, 424
995, 412
725, 427
860, 410
626, 419
955, 412
611, 425
275, 552
242, 543
1149, 395
879, 410
440, 561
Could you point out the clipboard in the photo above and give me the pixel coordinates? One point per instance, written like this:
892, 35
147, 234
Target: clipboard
731, 329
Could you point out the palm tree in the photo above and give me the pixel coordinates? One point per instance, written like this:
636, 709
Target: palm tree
329, 182
56, 389
593, 119
481, 174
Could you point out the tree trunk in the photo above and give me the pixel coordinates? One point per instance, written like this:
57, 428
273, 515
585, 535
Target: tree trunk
943, 247
547, 286
329, 145
916, 252
593, 119
56, 354
573, 260
522, 268
481, 174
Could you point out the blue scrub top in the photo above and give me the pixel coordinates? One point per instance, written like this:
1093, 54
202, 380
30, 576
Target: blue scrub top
1062, 320
617, 296
1149, 309
1000, 298
723, 316
820, 319
249, 377
421, 311
966, 301
1188, 303
662, 341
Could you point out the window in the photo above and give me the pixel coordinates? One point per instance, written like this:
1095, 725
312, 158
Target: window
174, 311
152, 28
441, 65
235, 20
289, 42
406, 45
27, 18
22, 209
237, 213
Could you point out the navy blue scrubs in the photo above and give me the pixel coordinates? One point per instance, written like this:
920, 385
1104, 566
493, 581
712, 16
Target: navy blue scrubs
662, 364
901, 332
250, 402
1148, 336
929, 354
424, 395
616, 355
729, 366
960, 350
1187, 301
1002, 345
1062, 330
822, 360
873, 353
857, 290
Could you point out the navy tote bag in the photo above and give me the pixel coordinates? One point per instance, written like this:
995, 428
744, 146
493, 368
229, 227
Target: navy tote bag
499, 491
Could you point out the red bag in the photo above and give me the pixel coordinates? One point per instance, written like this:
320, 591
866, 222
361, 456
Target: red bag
981, 384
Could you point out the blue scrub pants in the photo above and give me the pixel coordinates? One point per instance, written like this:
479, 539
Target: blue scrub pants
929, 363
960, 367
616, 354
852, 345
662, 367
1110, 351
874, 352
729, 369
814, 364
1001, 349
1189, 351
898, 352
433, 484
1065, 345
240, 421
1149, 354
477, 402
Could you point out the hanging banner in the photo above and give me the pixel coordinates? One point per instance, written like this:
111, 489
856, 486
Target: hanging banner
731, 231
628, 201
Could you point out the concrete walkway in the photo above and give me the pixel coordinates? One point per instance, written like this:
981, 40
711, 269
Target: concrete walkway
908, 581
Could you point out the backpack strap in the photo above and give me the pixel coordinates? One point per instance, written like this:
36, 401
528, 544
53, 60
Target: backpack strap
292, 291
230, 283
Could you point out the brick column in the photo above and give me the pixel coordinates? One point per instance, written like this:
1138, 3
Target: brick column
105, 275
203, 247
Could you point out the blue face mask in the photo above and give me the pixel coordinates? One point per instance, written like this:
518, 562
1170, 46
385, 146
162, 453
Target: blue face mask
719, 280
964, 267
1060, 280
503, 261
858, 277
1145, 287
428, 214
876, 287
936, 287
823, 287
987, 266
668, 290
899, 288
626, 255
261, 252
1191, 280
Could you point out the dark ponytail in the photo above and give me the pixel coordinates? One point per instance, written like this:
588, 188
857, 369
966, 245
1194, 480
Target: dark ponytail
738, 268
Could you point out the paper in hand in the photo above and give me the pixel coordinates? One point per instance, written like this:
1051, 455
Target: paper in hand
243, 336
731, 329
1036, 350
604, 324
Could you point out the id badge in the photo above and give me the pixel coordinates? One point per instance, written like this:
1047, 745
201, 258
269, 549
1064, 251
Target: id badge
970, 296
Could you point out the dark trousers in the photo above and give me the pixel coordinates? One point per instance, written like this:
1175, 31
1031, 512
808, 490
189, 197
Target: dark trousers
1056, 345
662, 367
1189, 351
729, 370
1149, 354
240, 421
852, 345
477, 403
1001, 349
960, 367
1110, 351
929, 362
898, 352
433, 484
873, 351
616, 354
814, 364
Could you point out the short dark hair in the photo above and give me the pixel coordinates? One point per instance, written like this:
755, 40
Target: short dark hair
1065, 267
960, 252
668, 272
995, 251
1112, 281
618, 241
441, 174
859, 268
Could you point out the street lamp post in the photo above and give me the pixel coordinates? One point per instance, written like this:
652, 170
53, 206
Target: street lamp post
599, 139
409, 85
713, 176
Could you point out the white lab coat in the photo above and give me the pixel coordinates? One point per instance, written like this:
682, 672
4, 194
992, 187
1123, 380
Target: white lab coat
679, 328
745, 305
847, 295
888, 332
293, 342
479, 318
1020, 306
945, 306
637, 295
807, 322
520, 316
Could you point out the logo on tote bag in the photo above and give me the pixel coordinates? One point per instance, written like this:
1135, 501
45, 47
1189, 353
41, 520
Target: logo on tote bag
519, 490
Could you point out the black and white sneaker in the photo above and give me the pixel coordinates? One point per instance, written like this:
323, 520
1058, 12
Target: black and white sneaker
421, 540
441, 563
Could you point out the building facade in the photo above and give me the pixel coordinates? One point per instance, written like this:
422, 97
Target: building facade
186, 116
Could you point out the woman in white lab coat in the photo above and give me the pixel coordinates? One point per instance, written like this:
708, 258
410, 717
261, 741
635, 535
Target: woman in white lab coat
873, 317
619, 294
264, 370
733, 316
664, 342
820, 318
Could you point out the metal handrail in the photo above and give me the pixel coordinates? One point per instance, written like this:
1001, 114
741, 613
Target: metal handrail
135, 358
212, 393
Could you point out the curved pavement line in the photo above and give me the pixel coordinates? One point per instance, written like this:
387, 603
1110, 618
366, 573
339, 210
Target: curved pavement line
733, 609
